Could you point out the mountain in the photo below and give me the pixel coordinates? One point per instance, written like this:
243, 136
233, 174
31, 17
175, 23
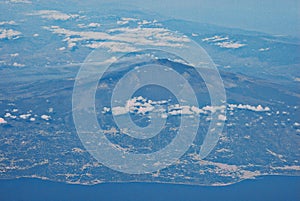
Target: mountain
42, 51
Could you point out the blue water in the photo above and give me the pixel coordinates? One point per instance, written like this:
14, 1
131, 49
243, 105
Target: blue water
265, 188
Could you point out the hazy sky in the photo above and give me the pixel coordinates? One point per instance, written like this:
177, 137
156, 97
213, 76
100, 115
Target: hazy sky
271, 16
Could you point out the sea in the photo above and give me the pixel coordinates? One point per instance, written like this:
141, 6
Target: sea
277, 188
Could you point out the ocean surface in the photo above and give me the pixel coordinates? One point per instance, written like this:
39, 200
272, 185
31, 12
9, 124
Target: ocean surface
264, 188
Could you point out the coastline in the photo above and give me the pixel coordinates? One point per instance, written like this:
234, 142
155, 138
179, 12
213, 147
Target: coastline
261, 188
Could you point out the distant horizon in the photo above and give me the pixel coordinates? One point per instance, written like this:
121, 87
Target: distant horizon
271, 17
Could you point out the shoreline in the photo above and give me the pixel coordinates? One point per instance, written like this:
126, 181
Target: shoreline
261, 188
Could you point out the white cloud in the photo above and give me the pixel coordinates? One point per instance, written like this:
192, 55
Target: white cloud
144, 22
54, 15
113, 46
14, 55
222, 117
126, 20
94, 25
8, 115
129, 19
149, 36
119, 110
20, 1
15, 64
215, 39
223, 42
180, 61
77, 150
71, 45
297, 79
81, 25
9, 34
122, 39
106, 62
75, 36
2, 121
230, 45
177, 110
164, 116
62, 48
264, 49
25, 116
258, 108
46, 117
90, 25
122, 22
8, 23
197, 110
140, 105
213, 109
106, 109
